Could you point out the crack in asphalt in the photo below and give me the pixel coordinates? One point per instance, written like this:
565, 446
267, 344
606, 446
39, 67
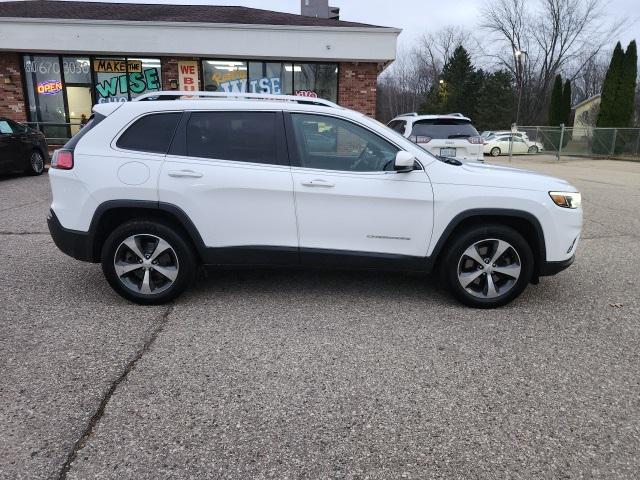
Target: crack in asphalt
23, 233
22, 205
97, 416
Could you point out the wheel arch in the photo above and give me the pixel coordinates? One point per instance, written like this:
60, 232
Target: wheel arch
111, 214
523, 222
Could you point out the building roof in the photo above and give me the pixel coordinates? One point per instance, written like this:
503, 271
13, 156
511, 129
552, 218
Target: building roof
163, 13
587, 100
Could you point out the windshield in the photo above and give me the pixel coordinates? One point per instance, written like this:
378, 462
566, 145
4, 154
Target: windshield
444, 129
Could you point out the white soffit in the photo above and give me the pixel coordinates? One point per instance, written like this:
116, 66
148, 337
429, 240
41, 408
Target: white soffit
199, 39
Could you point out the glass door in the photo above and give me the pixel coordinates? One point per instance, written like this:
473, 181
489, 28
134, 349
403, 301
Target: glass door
79, 102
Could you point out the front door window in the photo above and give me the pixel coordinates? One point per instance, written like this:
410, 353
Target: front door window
330, 143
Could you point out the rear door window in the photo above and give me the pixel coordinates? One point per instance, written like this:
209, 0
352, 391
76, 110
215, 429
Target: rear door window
152, 133
442, 128
238, 136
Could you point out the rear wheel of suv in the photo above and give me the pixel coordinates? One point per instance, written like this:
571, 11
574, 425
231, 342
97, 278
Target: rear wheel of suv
495, 151
148, 262
488, 266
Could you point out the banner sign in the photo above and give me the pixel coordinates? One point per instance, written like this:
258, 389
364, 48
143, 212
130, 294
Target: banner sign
188, 75
116, 66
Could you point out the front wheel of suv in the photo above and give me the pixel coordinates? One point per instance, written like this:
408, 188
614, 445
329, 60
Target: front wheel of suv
148, 262
488, 266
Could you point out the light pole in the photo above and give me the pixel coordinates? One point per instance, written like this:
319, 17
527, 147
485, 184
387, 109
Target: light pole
519, 54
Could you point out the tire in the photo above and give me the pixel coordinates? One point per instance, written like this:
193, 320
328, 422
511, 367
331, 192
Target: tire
150, 283
533, 149
495, 151
36, 163
513, 267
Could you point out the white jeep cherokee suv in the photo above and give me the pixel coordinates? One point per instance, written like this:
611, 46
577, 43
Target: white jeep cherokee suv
153, 188
450, 135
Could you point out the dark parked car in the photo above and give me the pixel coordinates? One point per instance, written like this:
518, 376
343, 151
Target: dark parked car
21, 148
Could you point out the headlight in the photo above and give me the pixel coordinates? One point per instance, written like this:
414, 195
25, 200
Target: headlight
566, 199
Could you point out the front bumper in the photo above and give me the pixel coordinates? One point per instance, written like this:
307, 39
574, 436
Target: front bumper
552, 268
75, 244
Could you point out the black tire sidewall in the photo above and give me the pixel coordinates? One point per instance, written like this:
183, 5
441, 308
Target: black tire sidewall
184, 252
468, 238
495, 149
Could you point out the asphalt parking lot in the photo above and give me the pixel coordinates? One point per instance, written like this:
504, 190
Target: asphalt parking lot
314, 374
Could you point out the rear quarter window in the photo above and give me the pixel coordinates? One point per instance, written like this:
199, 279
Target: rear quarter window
444, 128
152, 133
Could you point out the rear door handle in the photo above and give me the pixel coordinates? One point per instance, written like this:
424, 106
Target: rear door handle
184, 174
318, 183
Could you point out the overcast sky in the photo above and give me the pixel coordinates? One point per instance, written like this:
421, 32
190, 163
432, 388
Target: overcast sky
413, 16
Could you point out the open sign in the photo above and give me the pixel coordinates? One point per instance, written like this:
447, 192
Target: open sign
49, 87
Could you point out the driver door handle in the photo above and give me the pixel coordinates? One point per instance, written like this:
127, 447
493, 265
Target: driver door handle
318, 182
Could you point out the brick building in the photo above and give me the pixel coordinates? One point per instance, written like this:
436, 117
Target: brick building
58, 58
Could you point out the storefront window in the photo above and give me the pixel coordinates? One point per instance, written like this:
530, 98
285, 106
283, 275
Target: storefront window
316, 80
111, 80
144, 75
45, 92
279, 78
76, 70
120, 79
224, 76
270, 77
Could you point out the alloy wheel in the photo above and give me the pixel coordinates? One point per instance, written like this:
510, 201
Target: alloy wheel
489, 268
146, 264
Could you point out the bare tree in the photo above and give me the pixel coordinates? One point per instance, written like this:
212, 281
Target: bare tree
554, 34
403, 86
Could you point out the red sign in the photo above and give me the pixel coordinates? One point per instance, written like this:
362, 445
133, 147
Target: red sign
49, 87
306, 93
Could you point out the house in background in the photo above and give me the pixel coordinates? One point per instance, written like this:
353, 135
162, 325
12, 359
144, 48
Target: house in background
585, 116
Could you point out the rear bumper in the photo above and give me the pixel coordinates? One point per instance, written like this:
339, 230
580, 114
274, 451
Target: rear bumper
552, 268
75, 244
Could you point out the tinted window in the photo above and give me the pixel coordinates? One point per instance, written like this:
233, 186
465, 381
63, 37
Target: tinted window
444, 128
334, 144
151, 133
239, 136
398, 126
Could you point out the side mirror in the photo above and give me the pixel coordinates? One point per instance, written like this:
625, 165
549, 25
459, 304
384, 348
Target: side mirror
405, 162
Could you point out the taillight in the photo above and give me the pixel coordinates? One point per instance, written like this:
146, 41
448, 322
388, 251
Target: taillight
476, 140
419, 139
62, 159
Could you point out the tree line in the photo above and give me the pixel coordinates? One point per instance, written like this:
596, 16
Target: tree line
509, 70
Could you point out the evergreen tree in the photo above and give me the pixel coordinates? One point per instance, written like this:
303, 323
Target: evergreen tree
496, 100
627, 89
555, 103
458, 88
566, 103
607, 117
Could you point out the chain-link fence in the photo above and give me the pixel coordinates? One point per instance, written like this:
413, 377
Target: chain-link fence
582, 141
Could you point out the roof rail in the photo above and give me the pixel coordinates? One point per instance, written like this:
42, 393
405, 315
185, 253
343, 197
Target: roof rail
180, 94
412, 114
456, 115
